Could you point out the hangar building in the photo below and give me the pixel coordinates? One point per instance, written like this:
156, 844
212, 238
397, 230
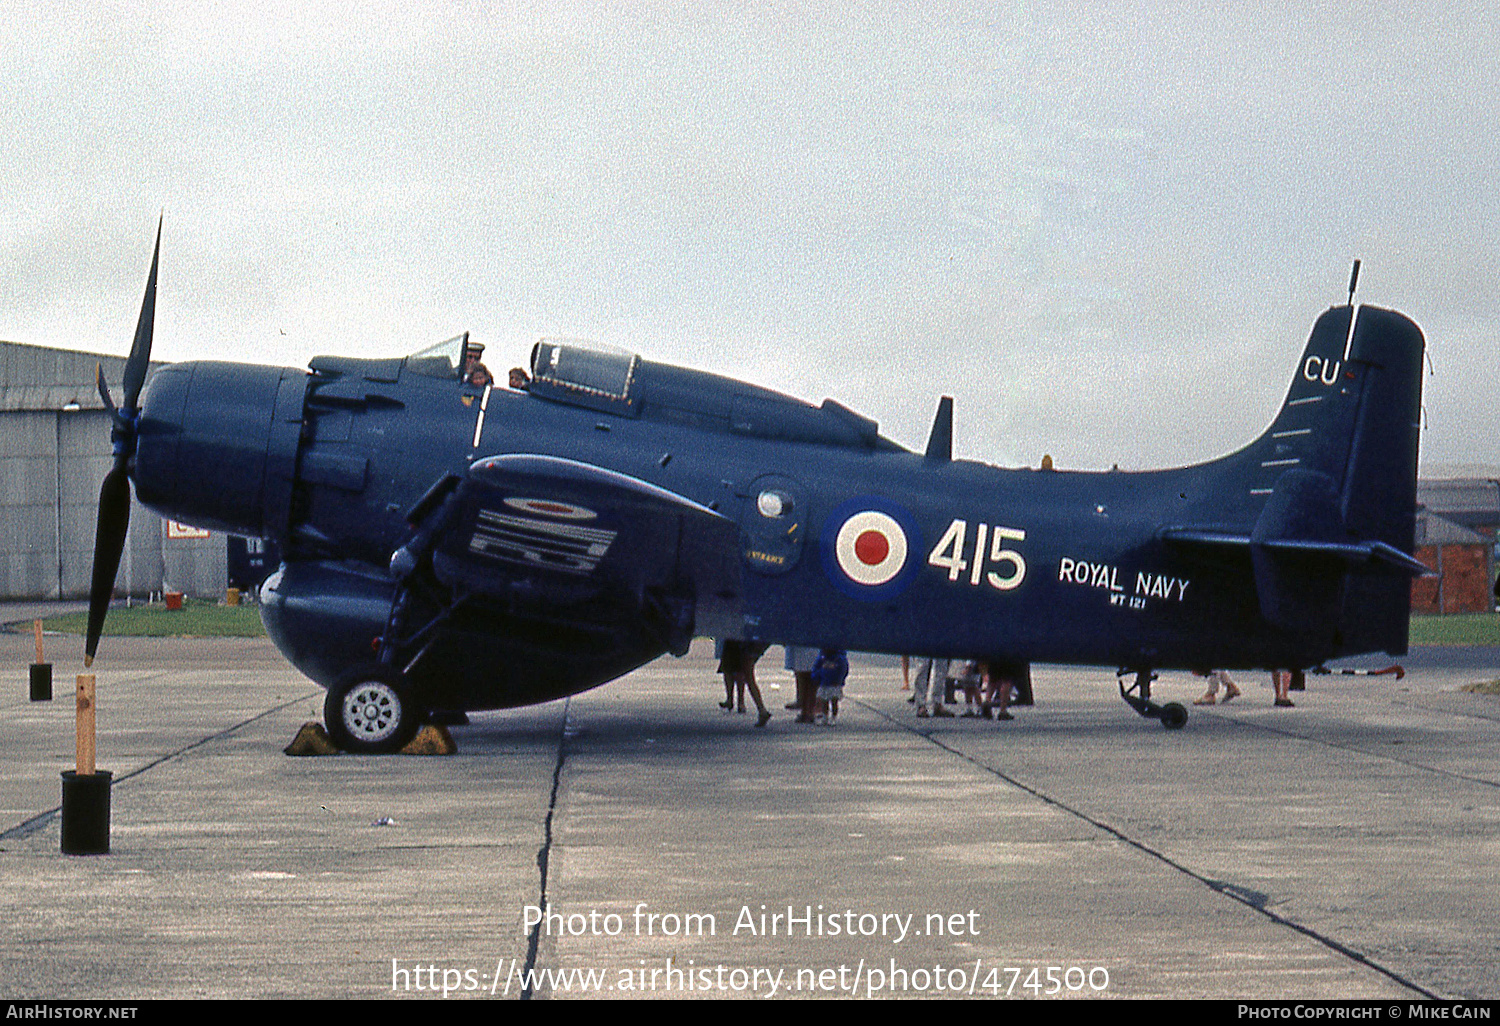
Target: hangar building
1458, 526
54, 453
1460, 558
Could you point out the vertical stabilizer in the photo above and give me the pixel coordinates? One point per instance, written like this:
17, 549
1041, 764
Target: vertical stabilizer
1325, 499
1315, 427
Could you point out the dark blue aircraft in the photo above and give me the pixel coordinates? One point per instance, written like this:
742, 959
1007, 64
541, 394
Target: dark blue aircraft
460, 547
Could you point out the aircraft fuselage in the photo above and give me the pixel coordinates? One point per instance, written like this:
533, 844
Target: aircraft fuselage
845, 539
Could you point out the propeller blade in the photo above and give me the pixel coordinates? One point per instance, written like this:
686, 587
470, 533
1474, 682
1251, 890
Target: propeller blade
103, 387
114, 493
140, 349
109, 544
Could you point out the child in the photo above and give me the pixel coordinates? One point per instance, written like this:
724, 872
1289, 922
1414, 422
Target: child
971, 681
829, 674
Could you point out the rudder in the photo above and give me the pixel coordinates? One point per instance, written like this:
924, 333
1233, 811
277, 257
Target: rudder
1380, 482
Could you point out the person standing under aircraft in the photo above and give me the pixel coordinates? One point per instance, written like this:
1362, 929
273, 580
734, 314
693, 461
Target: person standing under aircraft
738, 666
1215, 678
728, 651
999, 686
753, 650
932, 678
828, 676
800, 660
971, 679
1284, 680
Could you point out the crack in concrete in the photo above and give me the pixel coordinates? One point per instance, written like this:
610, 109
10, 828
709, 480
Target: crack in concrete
1249, 899
544, 853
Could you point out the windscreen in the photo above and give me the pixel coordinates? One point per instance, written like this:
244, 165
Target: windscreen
440, 361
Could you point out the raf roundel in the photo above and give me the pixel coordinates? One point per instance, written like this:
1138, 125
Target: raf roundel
869, 544
871, 548
551, 508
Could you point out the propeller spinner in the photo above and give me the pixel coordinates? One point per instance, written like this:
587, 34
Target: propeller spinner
114, 494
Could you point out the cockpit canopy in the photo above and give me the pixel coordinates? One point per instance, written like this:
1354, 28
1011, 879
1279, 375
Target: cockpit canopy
611, 380
586, 374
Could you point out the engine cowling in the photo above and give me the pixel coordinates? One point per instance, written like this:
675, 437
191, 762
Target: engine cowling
217, 445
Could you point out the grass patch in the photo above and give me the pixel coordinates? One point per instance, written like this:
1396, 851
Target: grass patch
1458, 629
1488, 687
196, 619
204, 619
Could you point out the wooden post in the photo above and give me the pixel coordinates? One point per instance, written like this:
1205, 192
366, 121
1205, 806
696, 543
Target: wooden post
85, 724
41, 672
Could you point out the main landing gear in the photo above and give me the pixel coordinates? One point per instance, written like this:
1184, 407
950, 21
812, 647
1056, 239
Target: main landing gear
1173, 715
374, 709
370, 712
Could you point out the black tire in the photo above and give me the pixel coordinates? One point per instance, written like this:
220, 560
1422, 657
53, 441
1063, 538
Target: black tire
371, 712
1173, 716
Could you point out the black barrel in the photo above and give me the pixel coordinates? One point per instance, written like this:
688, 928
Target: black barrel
85, 813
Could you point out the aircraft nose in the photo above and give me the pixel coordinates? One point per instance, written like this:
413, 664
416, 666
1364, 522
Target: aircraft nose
209, 453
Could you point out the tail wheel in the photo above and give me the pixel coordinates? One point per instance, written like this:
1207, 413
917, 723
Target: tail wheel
1173, 716
371, 712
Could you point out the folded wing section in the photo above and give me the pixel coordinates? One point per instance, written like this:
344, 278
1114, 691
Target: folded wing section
546, 533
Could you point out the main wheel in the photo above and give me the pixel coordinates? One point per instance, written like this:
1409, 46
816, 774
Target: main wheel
370, 712
1173, 716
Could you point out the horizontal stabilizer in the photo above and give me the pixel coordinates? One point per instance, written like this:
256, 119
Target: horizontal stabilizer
1361, 552
1302, 518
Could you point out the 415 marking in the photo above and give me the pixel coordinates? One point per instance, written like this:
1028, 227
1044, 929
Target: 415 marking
947, 554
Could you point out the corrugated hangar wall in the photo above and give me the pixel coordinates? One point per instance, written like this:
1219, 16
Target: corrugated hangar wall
54, 453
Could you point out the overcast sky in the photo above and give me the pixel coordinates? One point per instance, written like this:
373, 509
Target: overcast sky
1104, 227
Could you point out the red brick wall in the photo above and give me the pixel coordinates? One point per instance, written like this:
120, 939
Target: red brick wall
1466, 585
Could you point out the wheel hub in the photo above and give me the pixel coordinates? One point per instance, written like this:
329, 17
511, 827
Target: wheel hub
372, 711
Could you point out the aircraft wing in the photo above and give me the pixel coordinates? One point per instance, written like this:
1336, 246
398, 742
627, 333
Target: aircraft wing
548, 534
